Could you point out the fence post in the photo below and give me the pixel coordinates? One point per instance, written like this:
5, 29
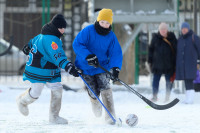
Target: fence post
45, 16
43, 12
48, 10
137, 60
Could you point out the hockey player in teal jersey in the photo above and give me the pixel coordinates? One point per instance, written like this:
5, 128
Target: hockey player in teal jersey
46, 58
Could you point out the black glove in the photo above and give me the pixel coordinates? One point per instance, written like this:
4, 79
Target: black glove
115, 73
92, 60
26, 49
71, 69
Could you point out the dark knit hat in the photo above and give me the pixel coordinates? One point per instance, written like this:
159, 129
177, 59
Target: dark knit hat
185, 25
59, 21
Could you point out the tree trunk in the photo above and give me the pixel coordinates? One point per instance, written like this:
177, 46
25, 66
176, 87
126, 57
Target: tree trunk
128, 67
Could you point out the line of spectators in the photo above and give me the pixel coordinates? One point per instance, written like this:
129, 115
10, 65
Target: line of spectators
176, 59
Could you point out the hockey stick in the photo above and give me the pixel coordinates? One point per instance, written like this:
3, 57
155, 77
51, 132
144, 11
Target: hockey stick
118, 122
150, 103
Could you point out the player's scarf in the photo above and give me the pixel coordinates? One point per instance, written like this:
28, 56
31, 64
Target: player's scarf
100, 30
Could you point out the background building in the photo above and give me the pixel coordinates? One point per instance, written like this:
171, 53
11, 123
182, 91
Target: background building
134, 23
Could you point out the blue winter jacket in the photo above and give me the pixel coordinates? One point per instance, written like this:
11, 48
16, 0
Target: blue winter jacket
188, 50
105, 47
45, 59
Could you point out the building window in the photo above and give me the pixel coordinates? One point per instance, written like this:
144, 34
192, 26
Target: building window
53, 3
17, 3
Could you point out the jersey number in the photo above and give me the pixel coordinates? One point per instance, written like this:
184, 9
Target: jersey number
32, 52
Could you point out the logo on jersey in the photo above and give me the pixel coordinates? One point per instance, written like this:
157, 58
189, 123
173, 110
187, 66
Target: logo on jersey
56, 56
54, 46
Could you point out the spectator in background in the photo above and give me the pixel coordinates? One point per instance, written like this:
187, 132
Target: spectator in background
188, 49
162, 59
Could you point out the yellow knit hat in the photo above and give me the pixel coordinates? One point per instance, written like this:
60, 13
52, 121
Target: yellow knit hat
105, 14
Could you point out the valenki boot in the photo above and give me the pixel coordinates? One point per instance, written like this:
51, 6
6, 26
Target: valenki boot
55, 105
23, 101
96, 107
189, 99
107, 98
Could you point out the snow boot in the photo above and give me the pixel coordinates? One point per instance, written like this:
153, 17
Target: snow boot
96, 107
107, 98
154, 98
168, 91
167, 96
23, 101
189, 99
55, 105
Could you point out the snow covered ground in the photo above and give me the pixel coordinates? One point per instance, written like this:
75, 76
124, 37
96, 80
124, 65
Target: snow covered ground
77, 109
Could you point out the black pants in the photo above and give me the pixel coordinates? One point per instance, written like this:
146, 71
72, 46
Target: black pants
189, 84
197, 87
156, 80
97, 83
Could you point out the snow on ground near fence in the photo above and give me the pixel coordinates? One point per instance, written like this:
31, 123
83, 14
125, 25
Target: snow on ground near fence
77, 109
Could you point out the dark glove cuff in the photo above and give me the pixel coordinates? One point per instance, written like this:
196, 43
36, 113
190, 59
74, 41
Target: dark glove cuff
92, 60
116, 69
68, 67
91, 57
26, 49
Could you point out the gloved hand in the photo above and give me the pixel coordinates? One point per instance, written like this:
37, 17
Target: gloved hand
71, 69
92, 60
26, 49
115, 73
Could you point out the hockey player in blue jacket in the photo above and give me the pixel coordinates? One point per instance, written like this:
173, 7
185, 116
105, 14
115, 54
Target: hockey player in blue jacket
97, 44
46, 57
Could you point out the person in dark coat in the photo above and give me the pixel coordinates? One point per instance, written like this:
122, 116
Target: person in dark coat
188, 50
162, 58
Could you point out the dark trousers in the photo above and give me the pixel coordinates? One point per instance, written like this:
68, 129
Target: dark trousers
156, 80
97, 83
189, 84
196, 87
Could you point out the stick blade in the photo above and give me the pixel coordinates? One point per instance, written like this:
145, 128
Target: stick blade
162, 107
118, 122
